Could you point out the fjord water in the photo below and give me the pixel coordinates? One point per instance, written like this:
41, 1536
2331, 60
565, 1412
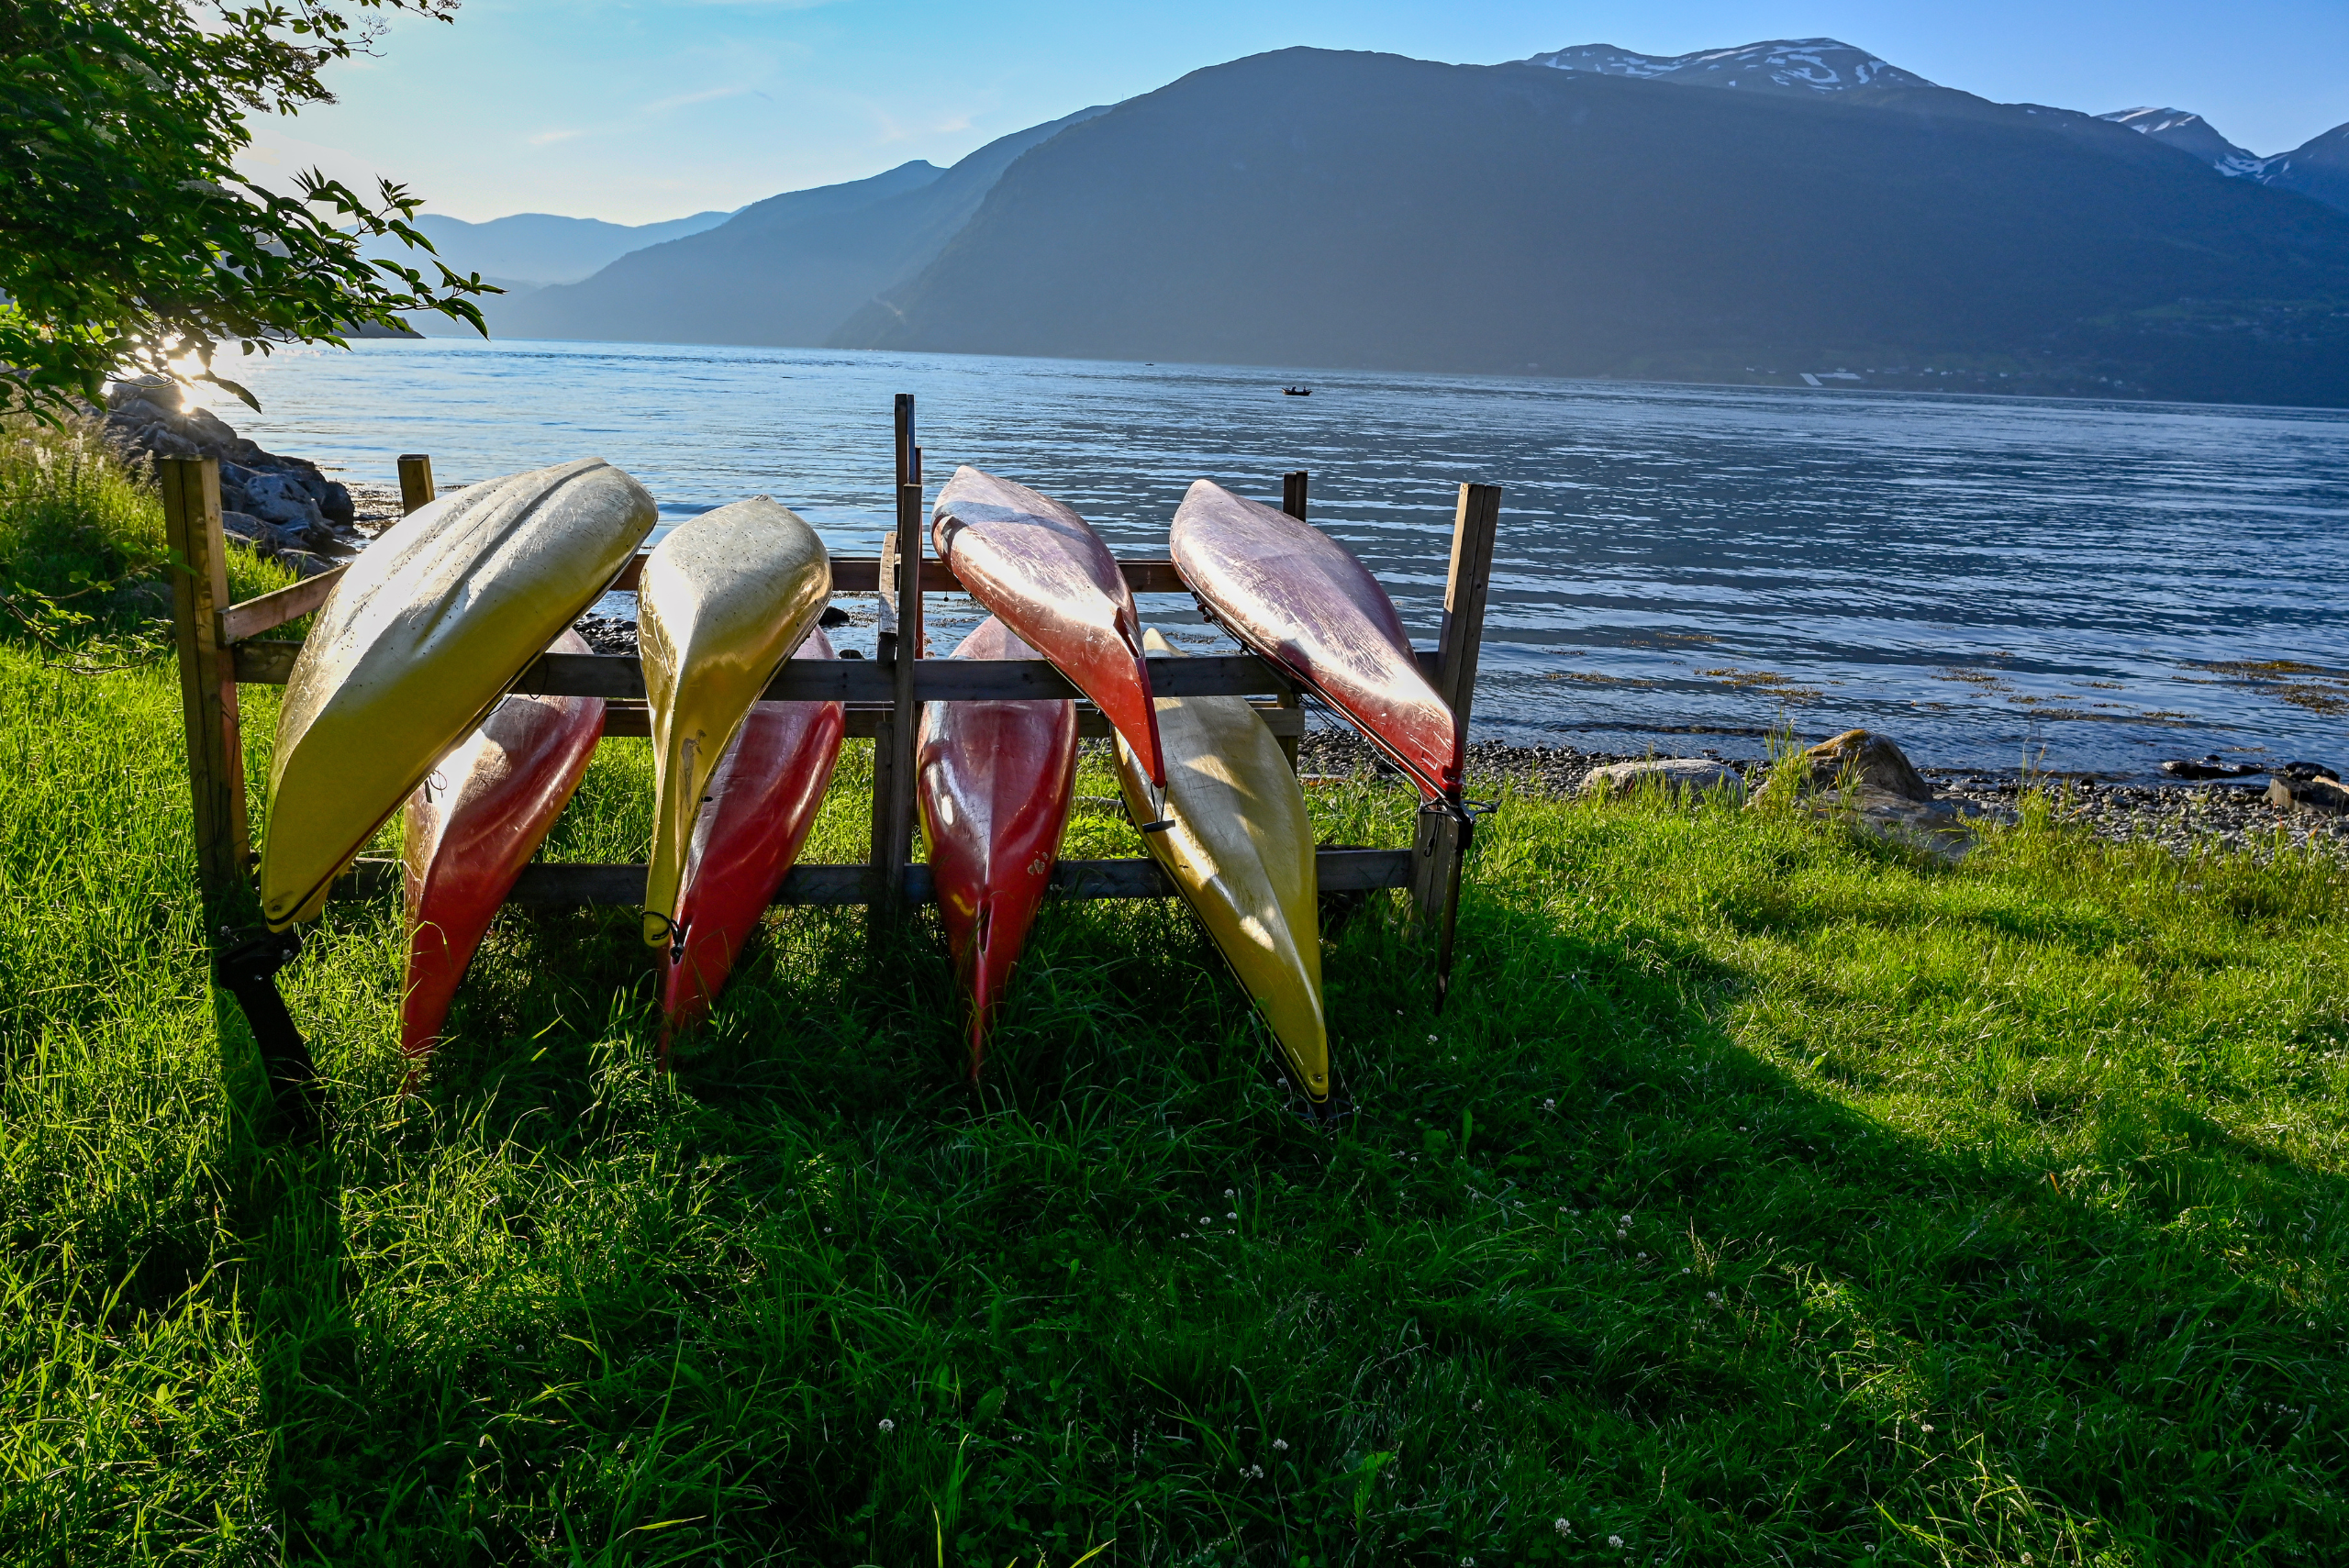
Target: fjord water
2088, 586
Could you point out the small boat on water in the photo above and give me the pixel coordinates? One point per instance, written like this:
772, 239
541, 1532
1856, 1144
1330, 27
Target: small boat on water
761, 803
1048, 577
423, 634
1297, 392
1239, 850
724, 600
1300, 601
471, 827
994, 780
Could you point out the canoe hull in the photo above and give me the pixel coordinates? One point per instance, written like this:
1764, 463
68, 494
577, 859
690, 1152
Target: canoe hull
1240, 851
994, 781
471, 826
723, 601
763, 798
1298, 599
1048, 577
424, 632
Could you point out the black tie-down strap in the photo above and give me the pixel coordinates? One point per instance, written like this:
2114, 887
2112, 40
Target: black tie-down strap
247, 966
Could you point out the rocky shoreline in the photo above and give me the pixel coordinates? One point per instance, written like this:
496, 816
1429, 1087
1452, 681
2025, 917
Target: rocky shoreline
285, 508
2180, 817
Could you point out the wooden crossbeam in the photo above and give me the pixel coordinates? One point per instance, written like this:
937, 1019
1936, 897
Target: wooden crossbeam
619, 676
575, 886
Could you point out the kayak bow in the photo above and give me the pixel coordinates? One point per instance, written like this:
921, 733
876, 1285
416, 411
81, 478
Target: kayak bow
994, 780
1039, 570
472, 826
1299, 600
761, 801
1241, 852
723, 601
424, 630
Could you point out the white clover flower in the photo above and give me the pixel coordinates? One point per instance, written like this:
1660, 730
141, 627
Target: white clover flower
1924, 1425
1625, 1220
1254, 1473
1280, 1445
1431, 1039
1616, 1541
1561, 1527
1548, 1104
1231, 1217
887, 1426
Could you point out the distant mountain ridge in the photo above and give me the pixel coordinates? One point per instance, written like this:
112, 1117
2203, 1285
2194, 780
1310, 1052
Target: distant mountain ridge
537, 247
789, 270
1576, 214
2318, 169
1313, 207
1792, 65
2190, 134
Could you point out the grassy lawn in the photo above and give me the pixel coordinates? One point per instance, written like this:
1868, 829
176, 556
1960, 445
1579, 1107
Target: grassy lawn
1764, 1196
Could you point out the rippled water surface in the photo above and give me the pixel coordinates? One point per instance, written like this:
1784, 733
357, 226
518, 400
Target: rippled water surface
1682, 568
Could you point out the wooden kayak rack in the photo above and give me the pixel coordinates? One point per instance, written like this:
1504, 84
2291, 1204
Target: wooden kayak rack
222, 645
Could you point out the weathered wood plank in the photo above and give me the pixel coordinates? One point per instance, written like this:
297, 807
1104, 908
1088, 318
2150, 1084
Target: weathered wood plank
271, 611
633, 721
216, 752
416, 489
617, 677
572, 886
861, 574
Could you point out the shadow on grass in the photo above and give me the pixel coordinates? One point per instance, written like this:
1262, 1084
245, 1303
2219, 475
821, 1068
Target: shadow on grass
1581, 1256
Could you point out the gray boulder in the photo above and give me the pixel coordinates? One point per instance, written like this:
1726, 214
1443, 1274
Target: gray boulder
2328, 796
1678, 775
1871, 760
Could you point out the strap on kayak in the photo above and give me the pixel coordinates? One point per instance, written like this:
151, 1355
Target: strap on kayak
1162, 821
246, 965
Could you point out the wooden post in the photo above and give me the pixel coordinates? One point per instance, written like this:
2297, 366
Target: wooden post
216, 753
1441, 840
1293, 488
416, 482
892, 748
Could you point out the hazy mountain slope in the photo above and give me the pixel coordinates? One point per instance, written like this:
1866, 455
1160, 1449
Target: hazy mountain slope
2318, 167
2190, 134
540, 247
786, 271
1310, 208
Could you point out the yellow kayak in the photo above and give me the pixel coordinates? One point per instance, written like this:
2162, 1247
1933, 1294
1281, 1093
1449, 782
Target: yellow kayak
423, 634
1241, 850
723, 601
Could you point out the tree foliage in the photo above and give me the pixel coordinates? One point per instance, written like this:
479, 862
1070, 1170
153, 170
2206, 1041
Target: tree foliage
128, 237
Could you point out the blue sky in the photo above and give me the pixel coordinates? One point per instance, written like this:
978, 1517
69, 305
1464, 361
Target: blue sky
636, 110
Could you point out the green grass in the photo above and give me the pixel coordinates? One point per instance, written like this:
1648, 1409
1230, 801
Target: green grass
1764, 1196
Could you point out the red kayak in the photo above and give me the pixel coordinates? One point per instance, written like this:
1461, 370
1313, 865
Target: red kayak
994, 781
762, 800
473, 825
1036, 566
1298, 599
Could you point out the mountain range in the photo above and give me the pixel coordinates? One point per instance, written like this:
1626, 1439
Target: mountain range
530, 249
1816, 212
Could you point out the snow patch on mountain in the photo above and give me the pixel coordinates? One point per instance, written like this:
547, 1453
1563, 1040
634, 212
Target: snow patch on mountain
1797, 65
2192, 135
